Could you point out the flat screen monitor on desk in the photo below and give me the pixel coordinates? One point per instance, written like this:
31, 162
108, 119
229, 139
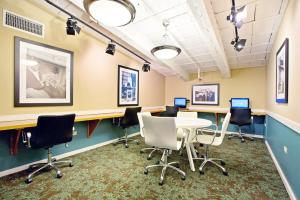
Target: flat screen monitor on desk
180, 102
239, 102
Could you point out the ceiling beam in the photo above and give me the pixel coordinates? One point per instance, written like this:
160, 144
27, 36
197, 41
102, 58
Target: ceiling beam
203, 13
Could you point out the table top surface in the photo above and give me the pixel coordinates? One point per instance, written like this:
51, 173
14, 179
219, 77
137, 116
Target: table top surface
182, 122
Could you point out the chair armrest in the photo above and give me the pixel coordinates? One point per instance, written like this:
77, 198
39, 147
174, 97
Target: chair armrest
203, 131
26, 136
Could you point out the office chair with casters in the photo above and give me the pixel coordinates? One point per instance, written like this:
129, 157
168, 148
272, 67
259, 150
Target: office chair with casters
152, 149
162, 133
171, 111
50, 131
241, 117
130, 119
208, 137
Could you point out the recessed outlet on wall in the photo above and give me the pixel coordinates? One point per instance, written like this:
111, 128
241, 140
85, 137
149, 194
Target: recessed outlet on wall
285, 149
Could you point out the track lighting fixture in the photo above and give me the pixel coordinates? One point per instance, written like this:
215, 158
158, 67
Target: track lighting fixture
238, 16
111, 48
146, 67
238, 44
72, 27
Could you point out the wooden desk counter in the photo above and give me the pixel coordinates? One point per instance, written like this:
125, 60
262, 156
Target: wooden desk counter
92, 120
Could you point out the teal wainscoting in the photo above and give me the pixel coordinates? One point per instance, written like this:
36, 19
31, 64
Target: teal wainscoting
278, 135
104, 132
256, 127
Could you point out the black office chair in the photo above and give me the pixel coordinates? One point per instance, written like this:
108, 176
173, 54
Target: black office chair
171, 111
130, 119
241, 117
50, 131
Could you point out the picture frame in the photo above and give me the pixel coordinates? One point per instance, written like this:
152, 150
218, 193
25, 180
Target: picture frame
43, 74
282, 72
128, 86
206, 94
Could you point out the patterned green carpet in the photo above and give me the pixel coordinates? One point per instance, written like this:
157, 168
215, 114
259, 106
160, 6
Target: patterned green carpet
113, 172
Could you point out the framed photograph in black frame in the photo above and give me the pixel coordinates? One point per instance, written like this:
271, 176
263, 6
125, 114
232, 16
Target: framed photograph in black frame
128, 86
206, 94
43, 74
282, 72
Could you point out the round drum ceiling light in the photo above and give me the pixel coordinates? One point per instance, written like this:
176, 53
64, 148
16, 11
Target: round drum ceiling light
165, 52
113, 13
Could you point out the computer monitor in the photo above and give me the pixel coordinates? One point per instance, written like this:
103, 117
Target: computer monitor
239, 102
180, 102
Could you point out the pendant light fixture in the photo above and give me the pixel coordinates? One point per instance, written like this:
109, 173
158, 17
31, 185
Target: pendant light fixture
112, 13
165, 52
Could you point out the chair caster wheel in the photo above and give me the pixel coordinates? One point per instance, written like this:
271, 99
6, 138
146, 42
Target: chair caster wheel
59, 175
146, 171
54, 159
160, 183
71, 165
149, 158
242, 141
157, 162
141, 152
126, 146
137, 143
183, 178
229, 138
202, 156
201, 172
114, 144
225, 173
28, 181
223, 163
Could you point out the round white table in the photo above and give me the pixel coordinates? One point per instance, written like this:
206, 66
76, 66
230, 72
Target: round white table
192, 124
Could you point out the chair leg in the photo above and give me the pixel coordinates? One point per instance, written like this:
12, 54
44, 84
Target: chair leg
241, 135
51, 163
164, 164
125, 139
206, 160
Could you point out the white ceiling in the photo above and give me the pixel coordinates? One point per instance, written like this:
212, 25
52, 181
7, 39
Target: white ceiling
201, 30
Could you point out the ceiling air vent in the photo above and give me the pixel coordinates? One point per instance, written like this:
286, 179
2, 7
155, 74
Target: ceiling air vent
23, 24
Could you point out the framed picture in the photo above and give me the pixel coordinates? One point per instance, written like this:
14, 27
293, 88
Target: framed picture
128, 86
282, 72
43, 74
205, 94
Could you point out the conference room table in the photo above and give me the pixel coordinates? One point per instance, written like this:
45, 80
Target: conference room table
191, 124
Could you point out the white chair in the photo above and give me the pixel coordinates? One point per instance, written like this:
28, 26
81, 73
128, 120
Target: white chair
153, 149
161, 132
209, 137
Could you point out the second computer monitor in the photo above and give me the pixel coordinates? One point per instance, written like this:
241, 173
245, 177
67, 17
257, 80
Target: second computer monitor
239, 103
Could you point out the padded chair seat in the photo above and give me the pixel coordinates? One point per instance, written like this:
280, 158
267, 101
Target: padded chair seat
180, 133
207, 139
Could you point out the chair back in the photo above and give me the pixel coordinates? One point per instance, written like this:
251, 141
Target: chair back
225, 125
130, 117
140, 114
171, 111
52, 130
160, 132
240, 116
187, 114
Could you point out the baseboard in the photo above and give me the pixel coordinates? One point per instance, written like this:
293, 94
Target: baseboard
64, 155
283, 178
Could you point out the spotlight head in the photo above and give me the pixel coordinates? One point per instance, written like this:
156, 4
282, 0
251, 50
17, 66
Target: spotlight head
72, 27
239, 44
238, 16
146, 67
111, 48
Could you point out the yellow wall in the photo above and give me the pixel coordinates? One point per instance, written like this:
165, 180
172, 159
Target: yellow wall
95, 73
247, 82
289, 28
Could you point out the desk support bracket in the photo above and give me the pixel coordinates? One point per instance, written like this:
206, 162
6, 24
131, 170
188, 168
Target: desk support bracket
91, 126
14, 141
